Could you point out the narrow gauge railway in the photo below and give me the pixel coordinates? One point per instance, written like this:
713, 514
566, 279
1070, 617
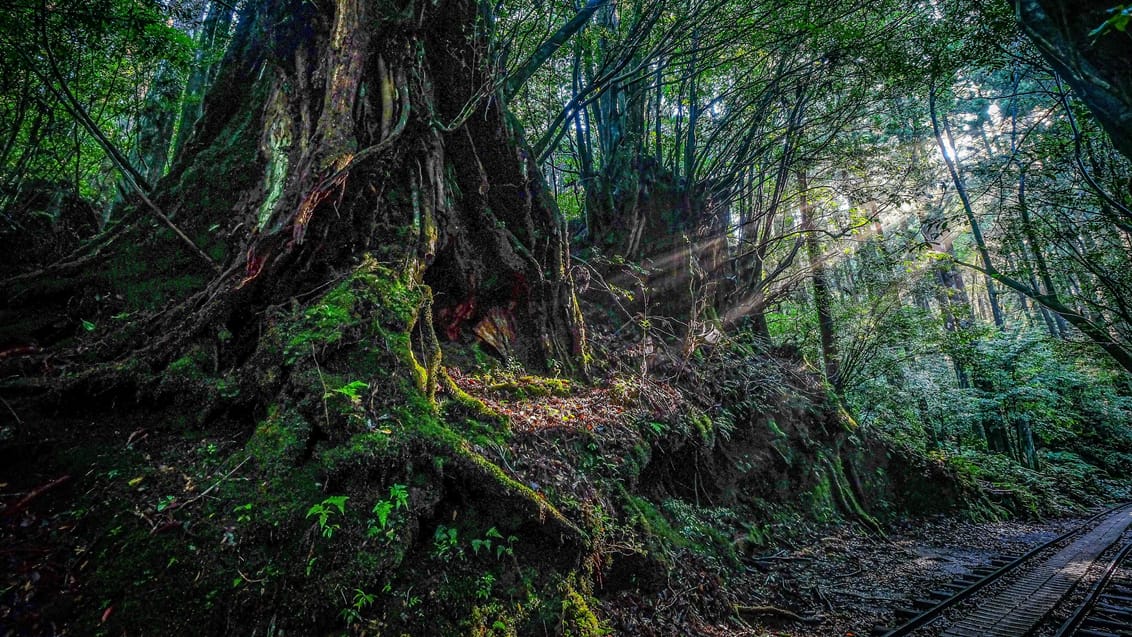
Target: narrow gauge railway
1107, 609
1016, 608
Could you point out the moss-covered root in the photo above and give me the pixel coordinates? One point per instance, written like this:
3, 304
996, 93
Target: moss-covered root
577, 618
433, 369
478, 473
843, 496
476, 406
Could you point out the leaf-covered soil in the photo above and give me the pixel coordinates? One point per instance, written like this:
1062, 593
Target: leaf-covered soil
835, 581
106, 526
846, 582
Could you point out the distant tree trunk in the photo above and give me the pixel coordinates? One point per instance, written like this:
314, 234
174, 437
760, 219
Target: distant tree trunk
155, 124
951, 293
960, 187
1027, 452
1056, 323
552, 44
690, 149
614, 196
754, 275
154, 128
213, 31
823, 299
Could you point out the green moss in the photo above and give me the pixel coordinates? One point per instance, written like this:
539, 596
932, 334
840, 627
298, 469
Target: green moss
191, 366
358, 452
701, 423
374, 303
280, 441
323, 323
820, 498
662, 537
633, 463
843, 495
578, 620
531, 386
413, 418
191, 380
490, 620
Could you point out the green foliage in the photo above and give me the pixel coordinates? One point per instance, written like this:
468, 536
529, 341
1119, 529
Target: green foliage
502, 547
324, 511
99, 52
352, 614
398, 500
485, 585
1118, 21
351, 391
446, 544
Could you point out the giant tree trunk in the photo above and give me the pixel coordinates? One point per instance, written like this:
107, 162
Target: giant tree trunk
340, 140
359, 191
336, 131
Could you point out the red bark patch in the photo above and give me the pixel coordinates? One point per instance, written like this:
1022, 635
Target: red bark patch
453, 317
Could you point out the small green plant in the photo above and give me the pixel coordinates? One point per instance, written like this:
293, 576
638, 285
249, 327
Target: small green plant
446, 545
399, 493
325, 509
352, 614
243, 512
658, 429
494, 538
398, 499
484, 585
352, 391
165, 502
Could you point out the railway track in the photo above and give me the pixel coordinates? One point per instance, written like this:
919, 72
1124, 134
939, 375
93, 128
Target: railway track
1107, 609
1056, 567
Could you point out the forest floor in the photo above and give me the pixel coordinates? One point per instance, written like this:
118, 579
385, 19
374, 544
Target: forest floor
58, 520
847, 582
841, 583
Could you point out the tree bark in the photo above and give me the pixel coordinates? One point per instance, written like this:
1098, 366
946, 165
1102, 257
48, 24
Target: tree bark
823, 298
335, 137
1099, 69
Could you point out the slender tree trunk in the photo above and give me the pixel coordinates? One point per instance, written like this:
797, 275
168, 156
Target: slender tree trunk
1031, 247
819, 278
961, 188
212, 35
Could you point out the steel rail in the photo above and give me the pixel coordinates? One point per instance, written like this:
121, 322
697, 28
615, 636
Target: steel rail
1094, 595
932, 613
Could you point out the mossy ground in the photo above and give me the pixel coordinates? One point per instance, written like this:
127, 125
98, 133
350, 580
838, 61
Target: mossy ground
378, 492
